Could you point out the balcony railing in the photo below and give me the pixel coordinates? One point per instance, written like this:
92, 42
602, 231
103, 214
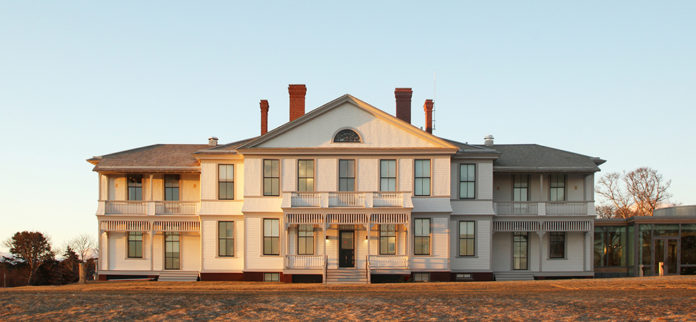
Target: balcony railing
534, 208
125, 207
128, 207
305, 261
347, 199
176, 208
388, 262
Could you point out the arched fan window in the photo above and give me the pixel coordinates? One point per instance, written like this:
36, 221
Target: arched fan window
346, 136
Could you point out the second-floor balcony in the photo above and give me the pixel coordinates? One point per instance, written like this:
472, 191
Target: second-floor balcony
541, 208
137, 207
347, 199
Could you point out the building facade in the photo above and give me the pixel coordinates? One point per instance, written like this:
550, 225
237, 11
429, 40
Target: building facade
346, 193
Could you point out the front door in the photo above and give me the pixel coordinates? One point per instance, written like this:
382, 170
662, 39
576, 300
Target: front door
346, 248
171, 251
666, 251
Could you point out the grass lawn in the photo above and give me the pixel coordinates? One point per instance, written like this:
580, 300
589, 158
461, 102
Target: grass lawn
589, 299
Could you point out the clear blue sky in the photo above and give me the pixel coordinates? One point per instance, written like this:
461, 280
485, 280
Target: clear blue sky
613, 79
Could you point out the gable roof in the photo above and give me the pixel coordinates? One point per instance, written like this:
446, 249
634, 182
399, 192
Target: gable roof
346, 98
539, 158
151, 158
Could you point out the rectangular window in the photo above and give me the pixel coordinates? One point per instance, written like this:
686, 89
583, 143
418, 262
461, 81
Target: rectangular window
305, 175
387, 175
421, 236
346, 175
520, 192
557, 244
271, 177
135, 187
467, 181
520, 251
271, 237
467, 238
421, 177
387, 239
225, 181
557, 187
225, 238
171, 187
421, 277
520, 187
135, 244
305, 240
271, 277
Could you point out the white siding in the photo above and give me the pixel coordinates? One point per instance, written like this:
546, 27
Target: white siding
253, 176
368, 175
440, 176
481, 261
405, 174
288, 175
326, 176
439, 245
254, 258
211, 261
118, 253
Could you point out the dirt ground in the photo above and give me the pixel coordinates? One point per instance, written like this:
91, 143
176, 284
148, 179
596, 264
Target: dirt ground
647, 298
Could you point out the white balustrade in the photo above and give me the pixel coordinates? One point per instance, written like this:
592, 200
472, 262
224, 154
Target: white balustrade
388, 262
516, 208
305, 199
566, 208
388, 199
305, 261
177, 208
346, 199
125, 207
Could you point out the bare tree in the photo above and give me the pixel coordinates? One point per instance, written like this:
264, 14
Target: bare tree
31, 247
637, 193
84, 245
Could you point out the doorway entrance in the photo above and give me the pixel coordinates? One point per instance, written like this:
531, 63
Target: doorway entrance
666, 251
172, 252
346, 248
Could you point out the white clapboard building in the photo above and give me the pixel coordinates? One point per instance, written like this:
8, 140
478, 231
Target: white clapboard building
345, 193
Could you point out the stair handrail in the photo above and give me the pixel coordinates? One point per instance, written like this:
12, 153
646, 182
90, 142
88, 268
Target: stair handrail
326, 268
367, 268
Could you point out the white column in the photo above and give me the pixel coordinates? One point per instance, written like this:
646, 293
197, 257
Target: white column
105, 254
152, 252
541, 248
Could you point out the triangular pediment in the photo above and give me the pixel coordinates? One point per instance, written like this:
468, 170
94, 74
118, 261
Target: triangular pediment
376, 128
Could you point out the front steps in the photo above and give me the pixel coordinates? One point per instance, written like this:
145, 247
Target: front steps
514, 276
346, 276
178, 276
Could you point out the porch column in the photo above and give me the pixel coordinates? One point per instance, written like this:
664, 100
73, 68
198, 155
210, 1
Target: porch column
409, 239
99, 251
105, 254
542, 197
541, 233
368, 226
152, 252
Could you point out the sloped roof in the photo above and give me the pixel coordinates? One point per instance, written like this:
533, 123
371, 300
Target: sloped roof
465, 148
225, 148
151, 158
346, 98
539, 158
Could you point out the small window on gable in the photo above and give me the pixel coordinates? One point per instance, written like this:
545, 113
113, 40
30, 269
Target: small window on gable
346, 136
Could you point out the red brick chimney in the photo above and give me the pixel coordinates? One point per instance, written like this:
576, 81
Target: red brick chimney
264, 116
428, 108
403, 103
297, 100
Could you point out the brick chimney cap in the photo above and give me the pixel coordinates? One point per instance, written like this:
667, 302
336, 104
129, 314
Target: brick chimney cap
403, 89
300, 89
